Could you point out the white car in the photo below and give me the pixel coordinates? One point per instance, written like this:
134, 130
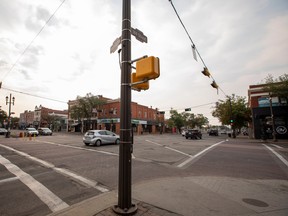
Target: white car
31, 131
99, 137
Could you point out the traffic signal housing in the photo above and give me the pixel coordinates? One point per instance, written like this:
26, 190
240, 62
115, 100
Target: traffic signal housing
138, 84
214, 84
148, 68
206, 72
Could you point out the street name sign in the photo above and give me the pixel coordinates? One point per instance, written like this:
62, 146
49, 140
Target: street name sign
139, 35
115, 44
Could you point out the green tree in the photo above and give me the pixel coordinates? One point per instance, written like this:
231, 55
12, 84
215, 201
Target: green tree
176, 119
235, 108
3, 116
201, 120
185, 119
85, 106
278, 86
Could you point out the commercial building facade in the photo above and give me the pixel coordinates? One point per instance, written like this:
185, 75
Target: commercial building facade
44, 117
263, 108
107, 116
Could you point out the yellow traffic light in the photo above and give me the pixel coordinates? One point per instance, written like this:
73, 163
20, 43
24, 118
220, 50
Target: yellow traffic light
136, 85
148, 68
206, 72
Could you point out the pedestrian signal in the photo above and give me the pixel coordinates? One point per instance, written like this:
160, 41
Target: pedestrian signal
138, 84
148, 68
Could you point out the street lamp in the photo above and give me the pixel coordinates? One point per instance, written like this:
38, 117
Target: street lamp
272, 119
8, 101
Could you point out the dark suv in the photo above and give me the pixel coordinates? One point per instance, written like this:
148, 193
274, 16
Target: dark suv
193, 134
213, 132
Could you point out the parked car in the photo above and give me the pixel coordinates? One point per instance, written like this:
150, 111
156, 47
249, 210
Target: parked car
193, 134
213, 132
3, 131
99, 137
31, 131
45, 131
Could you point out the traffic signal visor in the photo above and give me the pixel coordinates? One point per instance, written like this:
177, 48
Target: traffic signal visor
148, 68
140, 86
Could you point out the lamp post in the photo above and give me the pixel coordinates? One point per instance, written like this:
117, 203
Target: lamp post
272, 119
8, 101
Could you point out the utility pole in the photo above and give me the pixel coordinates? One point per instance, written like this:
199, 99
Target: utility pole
125, 206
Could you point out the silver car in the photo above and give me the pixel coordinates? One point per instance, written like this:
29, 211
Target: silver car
99, 137
31, 132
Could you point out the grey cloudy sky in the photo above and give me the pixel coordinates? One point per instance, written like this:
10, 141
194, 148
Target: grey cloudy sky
241, 42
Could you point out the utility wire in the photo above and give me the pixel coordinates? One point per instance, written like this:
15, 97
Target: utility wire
25, 50
193, 44
25, 93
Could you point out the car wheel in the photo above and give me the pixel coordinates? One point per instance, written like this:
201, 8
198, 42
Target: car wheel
186, 137
98, 143
87, 144
117, 141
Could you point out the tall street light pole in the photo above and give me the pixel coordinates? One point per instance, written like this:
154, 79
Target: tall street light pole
125, 206
272, 118
8, 101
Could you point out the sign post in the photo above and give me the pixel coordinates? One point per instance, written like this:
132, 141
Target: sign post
125, 206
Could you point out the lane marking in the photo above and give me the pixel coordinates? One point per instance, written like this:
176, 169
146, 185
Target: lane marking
76, 147
62, 171
278, 155
50, 199
8, 180
172, 149
279, 147
198, 154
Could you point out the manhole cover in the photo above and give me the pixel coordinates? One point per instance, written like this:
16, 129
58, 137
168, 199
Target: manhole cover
255, 202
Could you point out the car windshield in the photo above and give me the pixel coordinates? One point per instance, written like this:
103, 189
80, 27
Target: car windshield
31, 129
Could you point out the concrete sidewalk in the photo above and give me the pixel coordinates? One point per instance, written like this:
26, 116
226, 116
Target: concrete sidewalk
188, 196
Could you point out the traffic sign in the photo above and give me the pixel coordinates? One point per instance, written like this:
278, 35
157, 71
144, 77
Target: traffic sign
139, 35
115, 44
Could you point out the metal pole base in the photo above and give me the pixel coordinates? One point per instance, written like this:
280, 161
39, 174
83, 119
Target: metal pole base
131, 211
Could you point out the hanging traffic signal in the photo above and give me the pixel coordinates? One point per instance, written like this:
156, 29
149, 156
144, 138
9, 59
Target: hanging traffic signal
206, 72
148, 68
214, 84
138, 84
187, 109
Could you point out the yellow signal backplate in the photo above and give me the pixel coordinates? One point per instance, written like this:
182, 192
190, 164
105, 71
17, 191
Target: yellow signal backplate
140, 86
148, 68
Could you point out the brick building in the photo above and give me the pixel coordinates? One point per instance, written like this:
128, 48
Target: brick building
107, 116
44, 117
262, 108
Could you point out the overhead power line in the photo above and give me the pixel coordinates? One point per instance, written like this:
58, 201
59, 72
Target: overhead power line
25, 50
195, 48
25, 93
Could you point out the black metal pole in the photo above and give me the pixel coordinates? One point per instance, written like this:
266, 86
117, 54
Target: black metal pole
272, 119
125, 205
9, 116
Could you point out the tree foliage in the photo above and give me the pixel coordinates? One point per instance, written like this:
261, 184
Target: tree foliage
185, 119
278, 86
235, 108
85, 105
3, 116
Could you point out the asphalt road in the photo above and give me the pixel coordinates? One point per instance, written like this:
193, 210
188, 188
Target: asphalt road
46, 174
